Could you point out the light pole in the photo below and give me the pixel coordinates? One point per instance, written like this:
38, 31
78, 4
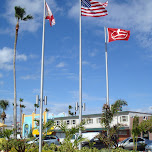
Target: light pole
41, 122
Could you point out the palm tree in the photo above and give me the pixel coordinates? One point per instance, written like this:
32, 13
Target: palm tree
47, 110
3, 105
19, 15
21, 110
36, 106
107, 117
69, 111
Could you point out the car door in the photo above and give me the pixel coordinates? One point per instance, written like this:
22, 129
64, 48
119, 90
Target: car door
50, 139
129, 144
46, 139
140, 143
98, 143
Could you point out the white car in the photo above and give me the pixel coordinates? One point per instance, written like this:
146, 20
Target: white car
148, 148
49, 139
128, 143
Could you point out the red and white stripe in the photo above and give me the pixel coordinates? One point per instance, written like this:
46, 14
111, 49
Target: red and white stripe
97, 9
49, 15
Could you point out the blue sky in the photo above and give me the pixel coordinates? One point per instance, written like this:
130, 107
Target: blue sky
129, 62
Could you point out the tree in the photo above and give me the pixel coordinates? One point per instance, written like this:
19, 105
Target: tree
47, 110
146, 125
7, 133
36, 106
69, 111
135, 131
21, 110
19, 15
107, 117
67, 145
109, 112
4, 105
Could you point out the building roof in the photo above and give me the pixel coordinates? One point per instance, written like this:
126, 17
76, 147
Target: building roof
99, 115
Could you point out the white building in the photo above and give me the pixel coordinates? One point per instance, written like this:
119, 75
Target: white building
93, 123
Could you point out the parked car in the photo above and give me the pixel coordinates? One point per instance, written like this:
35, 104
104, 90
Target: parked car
94, 142
128, 143
148, 148
49, 139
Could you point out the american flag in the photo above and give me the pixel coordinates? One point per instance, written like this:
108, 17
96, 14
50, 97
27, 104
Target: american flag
93, 8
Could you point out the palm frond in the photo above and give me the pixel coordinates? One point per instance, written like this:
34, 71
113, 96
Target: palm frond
4, 104
19, 12
28, 17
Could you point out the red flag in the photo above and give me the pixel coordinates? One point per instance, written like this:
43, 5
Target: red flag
117, 34
49, 15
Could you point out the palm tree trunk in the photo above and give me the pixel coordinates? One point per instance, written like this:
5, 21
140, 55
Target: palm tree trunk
15, 104
20, 122
3, 121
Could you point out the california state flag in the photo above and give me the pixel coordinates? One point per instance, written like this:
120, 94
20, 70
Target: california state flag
117, 34
49, 15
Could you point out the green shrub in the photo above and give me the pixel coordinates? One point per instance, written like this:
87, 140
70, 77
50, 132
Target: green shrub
6, 145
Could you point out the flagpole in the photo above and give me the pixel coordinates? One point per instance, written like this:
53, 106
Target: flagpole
106, 58
80, 77
42, 73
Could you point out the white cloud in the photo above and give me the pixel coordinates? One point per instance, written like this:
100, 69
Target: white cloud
30, 77
86, 97
21, 57
144, 109
74, 11
60, 65
1, 82
1, 75
85, 63
32, 7
94, 66
50, 115
93, 53
33, 56
36, 91
72, 76
131, 15
6, 58
57, 108
50, 60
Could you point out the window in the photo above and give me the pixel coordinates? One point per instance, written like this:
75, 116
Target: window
123, 118
144, 118
73, 122
83, 120
57, 123
98, 120
49, 137
68, 122
122, 132
139, 139
90, 121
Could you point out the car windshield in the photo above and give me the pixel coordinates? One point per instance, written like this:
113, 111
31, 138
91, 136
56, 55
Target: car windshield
36, 139
124, 140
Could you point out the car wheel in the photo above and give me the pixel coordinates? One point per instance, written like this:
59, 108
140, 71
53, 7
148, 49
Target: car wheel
121, 147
